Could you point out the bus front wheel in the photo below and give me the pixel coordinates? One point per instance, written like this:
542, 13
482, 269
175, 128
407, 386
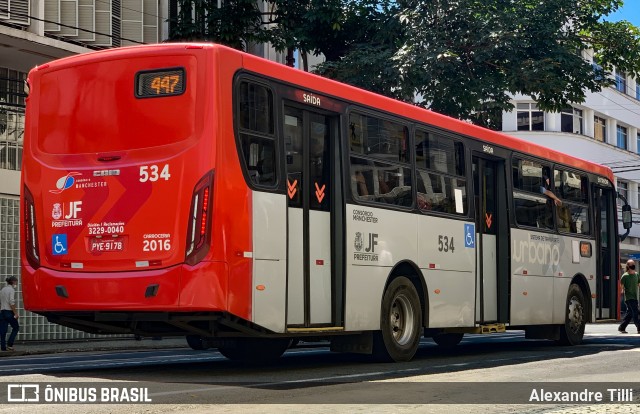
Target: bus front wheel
572, 331
400, 322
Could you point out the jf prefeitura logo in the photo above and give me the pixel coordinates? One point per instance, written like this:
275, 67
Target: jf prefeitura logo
80, 393
369, 253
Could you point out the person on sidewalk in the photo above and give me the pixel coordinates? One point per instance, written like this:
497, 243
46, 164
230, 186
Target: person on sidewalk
8, 314
629, 283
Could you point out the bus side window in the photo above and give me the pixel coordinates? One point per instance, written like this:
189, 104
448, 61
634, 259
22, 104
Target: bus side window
259, 157
257, 132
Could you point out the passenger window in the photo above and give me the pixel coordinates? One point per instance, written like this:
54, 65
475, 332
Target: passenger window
257, 139
381, 182
256, 108
378, 137
441, 182
533, 207
260, 158
438, 153
573, 214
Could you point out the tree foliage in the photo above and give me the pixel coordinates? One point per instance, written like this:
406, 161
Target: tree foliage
235, 23
362, 52
464, 58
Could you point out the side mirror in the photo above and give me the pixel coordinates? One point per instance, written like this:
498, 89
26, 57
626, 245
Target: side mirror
627, 217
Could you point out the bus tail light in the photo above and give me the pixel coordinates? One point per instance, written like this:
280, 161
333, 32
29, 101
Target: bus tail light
199, 229
30, 230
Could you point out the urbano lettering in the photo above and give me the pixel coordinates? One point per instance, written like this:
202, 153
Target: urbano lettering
536, 252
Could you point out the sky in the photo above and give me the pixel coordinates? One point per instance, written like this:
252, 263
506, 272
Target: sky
630, 11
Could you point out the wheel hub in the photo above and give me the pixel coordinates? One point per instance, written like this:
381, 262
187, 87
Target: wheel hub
401, 320
576, 315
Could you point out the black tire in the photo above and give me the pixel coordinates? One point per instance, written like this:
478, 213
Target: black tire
575, 318
447, 340
400, 323
197, 343
254, 349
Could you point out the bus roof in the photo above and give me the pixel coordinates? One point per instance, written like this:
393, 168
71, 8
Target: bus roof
331, 88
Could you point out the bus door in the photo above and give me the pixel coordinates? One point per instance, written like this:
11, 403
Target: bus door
492, 270
604, 202
309, 143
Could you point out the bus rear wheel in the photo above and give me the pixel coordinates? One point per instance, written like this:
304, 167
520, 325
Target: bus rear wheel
400, 323
197, 343
447, 340
254, 349
572, 331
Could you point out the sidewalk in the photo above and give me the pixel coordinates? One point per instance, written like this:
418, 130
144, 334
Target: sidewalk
94, 344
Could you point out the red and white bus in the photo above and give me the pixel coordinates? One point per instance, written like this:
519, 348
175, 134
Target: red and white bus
191, 189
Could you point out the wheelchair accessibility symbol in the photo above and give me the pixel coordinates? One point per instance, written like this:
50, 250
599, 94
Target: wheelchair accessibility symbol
59, 244
470, 235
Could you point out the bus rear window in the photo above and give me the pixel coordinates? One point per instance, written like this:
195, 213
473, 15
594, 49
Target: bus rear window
94, 108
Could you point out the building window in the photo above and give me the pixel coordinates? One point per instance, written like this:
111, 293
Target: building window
12, 100
638, 144
623, 190
599, 129
598, 71
621, 81
530, 118
638, 91
621, 134
571, 120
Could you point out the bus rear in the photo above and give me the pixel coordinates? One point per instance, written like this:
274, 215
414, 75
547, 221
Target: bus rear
118, 188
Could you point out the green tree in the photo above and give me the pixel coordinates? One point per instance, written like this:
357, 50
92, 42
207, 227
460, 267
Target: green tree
236, 23
464, 57
361, 52
302, 25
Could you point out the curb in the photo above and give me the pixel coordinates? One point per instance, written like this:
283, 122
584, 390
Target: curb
45, 347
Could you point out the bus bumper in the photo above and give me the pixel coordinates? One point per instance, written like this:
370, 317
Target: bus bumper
200, 288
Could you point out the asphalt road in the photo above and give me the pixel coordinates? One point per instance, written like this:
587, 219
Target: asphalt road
485, 370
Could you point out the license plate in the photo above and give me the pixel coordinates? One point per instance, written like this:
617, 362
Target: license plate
106, 245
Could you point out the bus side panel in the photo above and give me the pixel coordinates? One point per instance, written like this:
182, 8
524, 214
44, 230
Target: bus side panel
233, 205
448, 263
269, 260
204, 286
376, 240
535, 259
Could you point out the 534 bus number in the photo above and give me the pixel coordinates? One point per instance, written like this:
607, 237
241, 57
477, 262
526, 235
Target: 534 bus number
445, 244
150, 173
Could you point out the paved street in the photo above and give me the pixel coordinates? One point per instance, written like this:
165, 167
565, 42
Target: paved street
189, 381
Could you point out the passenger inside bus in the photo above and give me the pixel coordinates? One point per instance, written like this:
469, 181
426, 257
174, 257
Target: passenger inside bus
546, 185
385, 186
360, 183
